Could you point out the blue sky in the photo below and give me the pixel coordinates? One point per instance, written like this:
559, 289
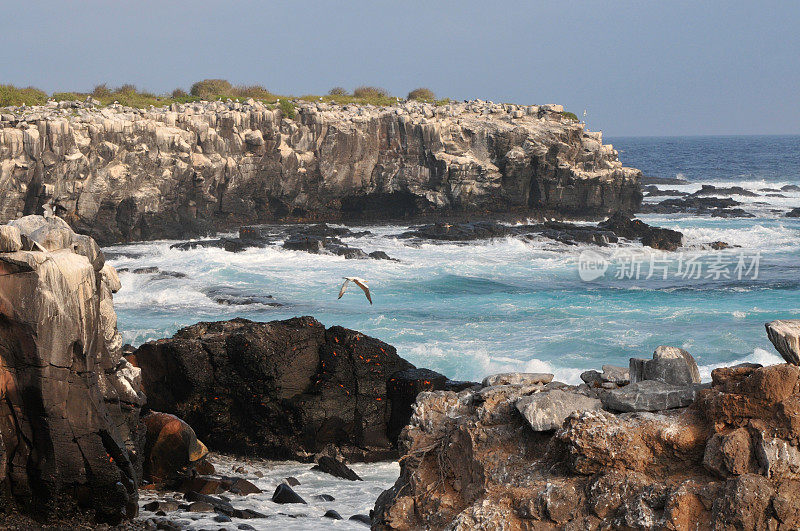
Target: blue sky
640, 68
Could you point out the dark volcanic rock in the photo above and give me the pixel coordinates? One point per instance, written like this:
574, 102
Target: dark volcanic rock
336, 468
281, 389
330, 513
362, 518
647, 180
656, 237
402, 390
284, 494
794, 213
691, 204
479, 230
708, 189
731, 213
654, 191
231, 296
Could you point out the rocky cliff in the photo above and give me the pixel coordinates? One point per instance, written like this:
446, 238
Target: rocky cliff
69, 414
123, 174
619, 452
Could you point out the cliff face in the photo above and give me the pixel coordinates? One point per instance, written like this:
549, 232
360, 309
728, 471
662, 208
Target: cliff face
729, 461
126, 174
69, 415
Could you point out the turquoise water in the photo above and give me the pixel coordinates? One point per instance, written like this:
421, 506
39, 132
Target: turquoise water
471, 310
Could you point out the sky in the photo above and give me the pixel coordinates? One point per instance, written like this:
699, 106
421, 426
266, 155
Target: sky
639, 68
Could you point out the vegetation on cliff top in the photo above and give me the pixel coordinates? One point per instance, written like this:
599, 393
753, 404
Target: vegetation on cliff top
211, 90
207, 89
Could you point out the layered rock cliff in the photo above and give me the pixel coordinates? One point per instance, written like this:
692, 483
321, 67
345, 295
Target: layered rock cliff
70, 403
521, 453
124, 174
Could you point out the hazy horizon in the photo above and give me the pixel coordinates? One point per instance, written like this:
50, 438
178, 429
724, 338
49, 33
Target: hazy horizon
671, 69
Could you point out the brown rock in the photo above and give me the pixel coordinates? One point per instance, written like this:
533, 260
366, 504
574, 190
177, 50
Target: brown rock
170, 448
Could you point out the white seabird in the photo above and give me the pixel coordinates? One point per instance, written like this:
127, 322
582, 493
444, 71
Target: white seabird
360, 282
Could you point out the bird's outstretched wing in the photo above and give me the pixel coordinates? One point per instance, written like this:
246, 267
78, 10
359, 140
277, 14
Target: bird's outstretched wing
344, 287
365, 288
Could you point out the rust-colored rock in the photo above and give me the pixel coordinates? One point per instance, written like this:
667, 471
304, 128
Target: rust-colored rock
171, 447
729, 461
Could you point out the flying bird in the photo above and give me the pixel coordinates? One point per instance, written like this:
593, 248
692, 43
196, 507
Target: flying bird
360, 282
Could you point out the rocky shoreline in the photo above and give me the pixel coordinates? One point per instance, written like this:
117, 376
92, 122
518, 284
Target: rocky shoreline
123, 174
89, 425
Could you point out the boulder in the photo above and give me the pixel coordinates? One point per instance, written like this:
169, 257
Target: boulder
283, 389
170, 448
650, 395
284, 494
547, 410
333, 515
793, 213
336, 468
669, 364
785, 335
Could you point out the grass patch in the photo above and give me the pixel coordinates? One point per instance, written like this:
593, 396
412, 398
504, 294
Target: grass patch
570, 115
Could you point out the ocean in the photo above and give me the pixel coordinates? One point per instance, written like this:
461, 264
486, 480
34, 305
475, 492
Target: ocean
472, 309
469, 310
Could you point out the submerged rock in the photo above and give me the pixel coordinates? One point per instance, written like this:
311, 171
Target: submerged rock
284, 494
633, 229
336, 468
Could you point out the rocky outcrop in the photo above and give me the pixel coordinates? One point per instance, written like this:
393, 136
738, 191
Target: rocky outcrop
785, 336
69, 416
731, 460
283, 389
122, 174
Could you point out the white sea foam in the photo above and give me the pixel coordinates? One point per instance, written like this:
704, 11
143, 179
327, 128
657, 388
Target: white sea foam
759, 355
351, 497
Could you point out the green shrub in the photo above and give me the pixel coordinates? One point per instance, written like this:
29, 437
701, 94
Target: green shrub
337, 91
101, 91
68, 96
127, 89
365, 92
11, 95
179, 93
421, 94
441, 102
569, 115
212, 89
287, 108
257, 92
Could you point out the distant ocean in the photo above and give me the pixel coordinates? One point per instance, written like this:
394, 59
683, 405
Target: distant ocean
469, 310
